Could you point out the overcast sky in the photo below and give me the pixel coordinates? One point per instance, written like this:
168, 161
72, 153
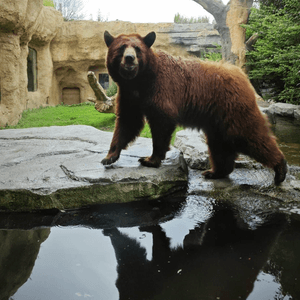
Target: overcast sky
140, 11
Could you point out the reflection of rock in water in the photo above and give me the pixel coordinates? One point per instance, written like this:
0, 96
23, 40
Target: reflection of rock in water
18, 252
218, 260
287, 131
284, 263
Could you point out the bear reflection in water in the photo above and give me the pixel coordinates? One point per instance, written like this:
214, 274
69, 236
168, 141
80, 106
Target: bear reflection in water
219, 259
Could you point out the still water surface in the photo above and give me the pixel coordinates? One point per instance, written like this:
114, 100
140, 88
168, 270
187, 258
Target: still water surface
203, 251
194, 249
288, 133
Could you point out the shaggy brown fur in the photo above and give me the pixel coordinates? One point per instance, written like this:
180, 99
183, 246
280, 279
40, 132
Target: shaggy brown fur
215, 97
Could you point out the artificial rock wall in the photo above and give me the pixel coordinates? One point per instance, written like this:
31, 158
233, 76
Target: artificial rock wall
66, 51
22, 24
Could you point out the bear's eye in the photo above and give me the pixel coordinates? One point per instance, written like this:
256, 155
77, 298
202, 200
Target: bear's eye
122, 48
137, 49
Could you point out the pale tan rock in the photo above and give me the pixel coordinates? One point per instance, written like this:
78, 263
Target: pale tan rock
79, 47
24, 24
66, 52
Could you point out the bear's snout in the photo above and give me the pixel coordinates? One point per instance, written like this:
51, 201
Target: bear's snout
129, 64
129, 59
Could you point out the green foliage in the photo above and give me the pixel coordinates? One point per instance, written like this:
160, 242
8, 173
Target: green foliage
184, 20
62, 115
76, 114
146, 132
48, 3
112, 89
276, 56
214, 56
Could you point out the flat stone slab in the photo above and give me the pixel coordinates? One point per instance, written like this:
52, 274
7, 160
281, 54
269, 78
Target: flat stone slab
60, 167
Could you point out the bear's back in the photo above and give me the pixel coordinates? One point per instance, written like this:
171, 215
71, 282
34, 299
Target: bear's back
212, 81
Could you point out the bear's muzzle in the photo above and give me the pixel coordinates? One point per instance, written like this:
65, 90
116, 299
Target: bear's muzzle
129, 66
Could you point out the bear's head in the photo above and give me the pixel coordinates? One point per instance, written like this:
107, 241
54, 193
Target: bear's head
128, 55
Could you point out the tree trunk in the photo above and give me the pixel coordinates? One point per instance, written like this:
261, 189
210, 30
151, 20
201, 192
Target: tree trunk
229, 18
102, 102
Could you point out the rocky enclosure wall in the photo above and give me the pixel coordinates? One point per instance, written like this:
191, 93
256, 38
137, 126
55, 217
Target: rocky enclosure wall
24, 24
66, 51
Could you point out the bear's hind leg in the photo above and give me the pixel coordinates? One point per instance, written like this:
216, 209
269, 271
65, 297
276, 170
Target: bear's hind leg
280, 171
222, 159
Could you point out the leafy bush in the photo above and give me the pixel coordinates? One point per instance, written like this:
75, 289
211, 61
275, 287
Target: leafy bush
214, 56
112, 89
275, 60
48, 3
184, 20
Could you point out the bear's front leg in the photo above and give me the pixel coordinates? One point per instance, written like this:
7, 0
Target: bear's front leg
112, 156
161, 130
128, 126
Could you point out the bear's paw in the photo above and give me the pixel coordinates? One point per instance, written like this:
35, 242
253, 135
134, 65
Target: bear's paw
280, 172
109, 160
150, 162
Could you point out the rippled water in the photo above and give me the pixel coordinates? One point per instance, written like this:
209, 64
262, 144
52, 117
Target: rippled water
195, 249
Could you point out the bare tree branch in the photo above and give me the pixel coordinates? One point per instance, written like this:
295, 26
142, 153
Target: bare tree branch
251, 41
214, 7
103, 103
228, 20
71, 9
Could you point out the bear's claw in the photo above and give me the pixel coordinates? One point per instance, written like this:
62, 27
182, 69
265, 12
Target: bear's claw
109, 161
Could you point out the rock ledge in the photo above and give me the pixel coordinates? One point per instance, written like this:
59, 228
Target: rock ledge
59, 167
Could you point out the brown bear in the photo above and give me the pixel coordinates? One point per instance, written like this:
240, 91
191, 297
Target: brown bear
215, 97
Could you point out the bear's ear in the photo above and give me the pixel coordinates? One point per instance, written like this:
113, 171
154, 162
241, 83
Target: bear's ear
149, 39
108, 38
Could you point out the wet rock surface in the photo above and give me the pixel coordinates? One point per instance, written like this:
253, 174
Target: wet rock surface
59, 167
241, 231
249, 178
282, 110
